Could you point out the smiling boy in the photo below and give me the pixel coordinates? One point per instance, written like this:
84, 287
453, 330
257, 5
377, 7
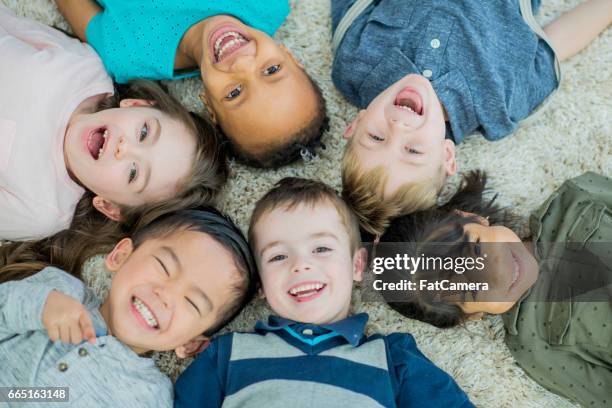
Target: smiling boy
176, 282
430, 73
312, 352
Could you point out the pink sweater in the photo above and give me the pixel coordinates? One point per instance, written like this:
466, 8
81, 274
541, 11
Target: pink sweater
44, 76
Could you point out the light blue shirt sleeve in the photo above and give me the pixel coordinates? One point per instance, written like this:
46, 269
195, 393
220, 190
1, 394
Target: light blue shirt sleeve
22, 302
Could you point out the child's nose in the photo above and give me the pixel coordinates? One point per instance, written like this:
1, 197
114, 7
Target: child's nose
244, 64
300, 266
164, 295
122, 149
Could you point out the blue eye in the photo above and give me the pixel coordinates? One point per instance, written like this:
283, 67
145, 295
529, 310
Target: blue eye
271, 70
133, 173
144, 132
278, 258
234, 93
321, 249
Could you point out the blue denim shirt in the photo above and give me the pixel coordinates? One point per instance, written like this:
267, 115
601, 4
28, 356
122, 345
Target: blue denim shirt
489, 69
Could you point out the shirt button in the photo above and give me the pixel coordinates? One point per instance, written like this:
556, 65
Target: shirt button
307, 332
83, 352
427, 73
62, 367
435, 43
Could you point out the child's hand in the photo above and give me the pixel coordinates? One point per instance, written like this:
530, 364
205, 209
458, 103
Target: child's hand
66, 319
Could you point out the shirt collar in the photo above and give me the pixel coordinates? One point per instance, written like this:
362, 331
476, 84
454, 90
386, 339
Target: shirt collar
351, 329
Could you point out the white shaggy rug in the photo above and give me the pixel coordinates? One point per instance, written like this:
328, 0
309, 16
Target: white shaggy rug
574, 135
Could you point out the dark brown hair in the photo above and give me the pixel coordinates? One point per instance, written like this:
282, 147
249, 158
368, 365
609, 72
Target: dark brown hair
421, 233
301, 145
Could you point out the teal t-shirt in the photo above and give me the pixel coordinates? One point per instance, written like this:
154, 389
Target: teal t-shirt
139, 38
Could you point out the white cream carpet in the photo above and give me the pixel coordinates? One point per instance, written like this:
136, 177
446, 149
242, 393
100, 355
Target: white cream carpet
574, 135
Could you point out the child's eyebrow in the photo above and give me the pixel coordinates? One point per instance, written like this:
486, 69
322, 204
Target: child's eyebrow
175, 258
324, 234
270, 245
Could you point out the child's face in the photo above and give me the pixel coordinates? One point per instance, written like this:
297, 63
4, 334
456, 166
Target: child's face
255, 89
403, 131
168, 291
129, 155
305, 263
510, 269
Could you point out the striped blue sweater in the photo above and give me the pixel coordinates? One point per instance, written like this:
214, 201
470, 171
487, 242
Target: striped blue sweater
290, 364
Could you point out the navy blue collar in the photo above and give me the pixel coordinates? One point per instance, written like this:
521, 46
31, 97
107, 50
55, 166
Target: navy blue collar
351, 329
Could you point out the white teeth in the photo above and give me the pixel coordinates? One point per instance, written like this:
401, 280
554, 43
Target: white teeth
238, 39
145, 312
105, 134
305, 288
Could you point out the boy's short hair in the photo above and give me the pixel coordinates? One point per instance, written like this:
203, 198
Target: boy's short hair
303, 142
292, 191
363, 191
222, 229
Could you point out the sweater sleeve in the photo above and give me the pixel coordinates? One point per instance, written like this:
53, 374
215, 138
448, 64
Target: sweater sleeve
418, 379
202, 383
22, 302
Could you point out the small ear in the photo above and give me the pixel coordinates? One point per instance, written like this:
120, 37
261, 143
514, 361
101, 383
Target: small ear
481, 220
260, 294
350, 129
450, 162
128, 103
295, 60
107, 208
208, 105
192, 347
120, 253
360, 260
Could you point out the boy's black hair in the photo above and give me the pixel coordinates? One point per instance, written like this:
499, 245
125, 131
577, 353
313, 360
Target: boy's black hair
222, 229
301, 145
422, 231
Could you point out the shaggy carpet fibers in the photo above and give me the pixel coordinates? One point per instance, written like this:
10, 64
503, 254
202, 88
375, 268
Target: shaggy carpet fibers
574, 135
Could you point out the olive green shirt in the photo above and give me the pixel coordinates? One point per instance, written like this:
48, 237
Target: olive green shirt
566, 345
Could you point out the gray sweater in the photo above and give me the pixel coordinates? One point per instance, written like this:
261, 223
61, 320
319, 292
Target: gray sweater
105, 374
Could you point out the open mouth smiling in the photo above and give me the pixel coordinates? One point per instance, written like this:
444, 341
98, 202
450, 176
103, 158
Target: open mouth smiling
145, 313
306, 291
409, 100
226, 41
96, 142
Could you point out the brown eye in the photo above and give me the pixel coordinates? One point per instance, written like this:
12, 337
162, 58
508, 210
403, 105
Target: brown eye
271, 70
234, 93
